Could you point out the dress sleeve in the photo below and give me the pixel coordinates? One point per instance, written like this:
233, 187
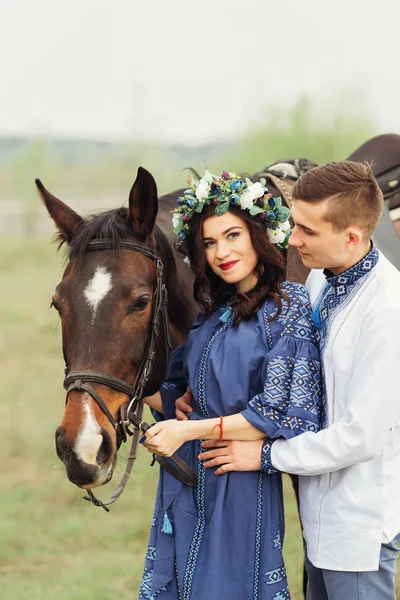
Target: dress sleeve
173, 386
291, 401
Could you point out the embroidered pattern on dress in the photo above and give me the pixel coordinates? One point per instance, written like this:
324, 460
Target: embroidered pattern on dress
282, 595
275, 576
298, 382
151, 552
299, 324
258, 536
276, 541
201, 471
145, 586
178, 587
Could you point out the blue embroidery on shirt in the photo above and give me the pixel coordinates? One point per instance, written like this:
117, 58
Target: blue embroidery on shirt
339, 288
266, 464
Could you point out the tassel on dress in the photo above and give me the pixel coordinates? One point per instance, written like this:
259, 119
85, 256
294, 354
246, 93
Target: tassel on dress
167, 527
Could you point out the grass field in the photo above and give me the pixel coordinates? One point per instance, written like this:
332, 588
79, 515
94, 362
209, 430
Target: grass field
54, 546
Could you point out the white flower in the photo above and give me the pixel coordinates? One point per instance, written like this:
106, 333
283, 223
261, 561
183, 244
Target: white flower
285, 226
186, 260
202, 188
246, 199
175, 220
276, 236
250, 194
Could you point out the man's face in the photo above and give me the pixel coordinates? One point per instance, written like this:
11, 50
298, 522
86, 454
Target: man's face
319, 246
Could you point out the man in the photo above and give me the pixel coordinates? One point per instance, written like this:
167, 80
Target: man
350, 470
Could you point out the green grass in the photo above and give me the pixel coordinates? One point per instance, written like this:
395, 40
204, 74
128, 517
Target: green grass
53, 545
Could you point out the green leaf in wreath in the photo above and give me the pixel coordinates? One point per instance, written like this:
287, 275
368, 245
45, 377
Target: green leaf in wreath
221, 208
256, 210
283, 214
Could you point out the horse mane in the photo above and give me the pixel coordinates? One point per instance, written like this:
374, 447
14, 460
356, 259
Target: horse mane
168, 201
113, 226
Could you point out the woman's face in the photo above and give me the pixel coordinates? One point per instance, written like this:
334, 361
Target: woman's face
229, 250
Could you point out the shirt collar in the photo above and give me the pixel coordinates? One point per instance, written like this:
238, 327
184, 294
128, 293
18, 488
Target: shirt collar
352, 274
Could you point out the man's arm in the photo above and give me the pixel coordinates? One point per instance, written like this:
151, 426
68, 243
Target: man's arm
373, 408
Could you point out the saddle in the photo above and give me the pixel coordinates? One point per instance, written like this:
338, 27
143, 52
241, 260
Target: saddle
383, 151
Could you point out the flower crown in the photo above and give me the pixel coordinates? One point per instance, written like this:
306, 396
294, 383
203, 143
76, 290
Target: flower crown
223, 192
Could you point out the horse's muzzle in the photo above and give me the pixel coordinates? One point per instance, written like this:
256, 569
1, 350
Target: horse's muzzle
79, 472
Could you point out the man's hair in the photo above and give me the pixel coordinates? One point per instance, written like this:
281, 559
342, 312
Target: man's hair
353, 192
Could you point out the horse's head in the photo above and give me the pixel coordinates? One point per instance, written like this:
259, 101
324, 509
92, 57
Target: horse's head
105, 302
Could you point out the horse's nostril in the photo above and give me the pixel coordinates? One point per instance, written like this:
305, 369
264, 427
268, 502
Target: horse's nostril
105, 449
61, 443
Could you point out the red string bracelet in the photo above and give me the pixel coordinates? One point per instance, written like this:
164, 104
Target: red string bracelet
221, 428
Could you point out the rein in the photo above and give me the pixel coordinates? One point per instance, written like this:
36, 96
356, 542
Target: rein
131, 411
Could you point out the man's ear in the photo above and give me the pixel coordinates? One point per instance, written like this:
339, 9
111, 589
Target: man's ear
354, 237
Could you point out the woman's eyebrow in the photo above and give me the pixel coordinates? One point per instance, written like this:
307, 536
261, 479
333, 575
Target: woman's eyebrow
225, 232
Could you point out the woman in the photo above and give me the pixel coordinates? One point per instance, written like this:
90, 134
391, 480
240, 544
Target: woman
252, 365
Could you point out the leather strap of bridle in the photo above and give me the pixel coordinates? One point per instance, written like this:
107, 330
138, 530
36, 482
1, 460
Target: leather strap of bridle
78, 384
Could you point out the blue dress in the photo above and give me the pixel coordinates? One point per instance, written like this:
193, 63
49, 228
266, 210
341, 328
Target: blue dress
223, 538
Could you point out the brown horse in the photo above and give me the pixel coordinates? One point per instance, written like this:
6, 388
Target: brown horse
105, 301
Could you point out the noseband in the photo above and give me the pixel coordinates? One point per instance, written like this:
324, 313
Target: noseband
131, 412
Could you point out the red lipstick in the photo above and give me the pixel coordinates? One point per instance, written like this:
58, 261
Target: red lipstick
228, 265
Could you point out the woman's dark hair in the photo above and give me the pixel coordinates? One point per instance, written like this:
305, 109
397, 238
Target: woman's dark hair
211, 291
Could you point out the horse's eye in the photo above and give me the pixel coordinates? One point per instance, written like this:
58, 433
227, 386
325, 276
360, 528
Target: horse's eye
54, 305
140, 305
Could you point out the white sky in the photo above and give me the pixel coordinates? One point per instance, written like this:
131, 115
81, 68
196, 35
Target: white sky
189, 71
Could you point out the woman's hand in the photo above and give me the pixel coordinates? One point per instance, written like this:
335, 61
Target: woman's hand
184, 405
164, 438
232, 456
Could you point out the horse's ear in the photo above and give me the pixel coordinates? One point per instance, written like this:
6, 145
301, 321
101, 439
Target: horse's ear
66, 219
143, 203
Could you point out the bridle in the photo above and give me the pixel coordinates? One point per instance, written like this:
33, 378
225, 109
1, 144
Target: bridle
131, 412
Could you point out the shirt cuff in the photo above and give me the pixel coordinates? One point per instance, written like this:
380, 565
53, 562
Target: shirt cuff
266, 464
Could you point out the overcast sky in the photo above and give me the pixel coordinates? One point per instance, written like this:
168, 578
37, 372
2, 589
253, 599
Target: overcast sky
185, 70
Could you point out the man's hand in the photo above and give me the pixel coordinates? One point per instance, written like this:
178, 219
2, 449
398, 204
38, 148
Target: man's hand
232, 456
183, 405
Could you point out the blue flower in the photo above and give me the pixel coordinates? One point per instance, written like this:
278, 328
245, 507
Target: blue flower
181, 235
271, 202
180, 201
214, 189
234, 199
236, 185
190, 201
270, 215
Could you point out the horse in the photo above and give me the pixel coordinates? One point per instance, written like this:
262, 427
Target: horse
121, 264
